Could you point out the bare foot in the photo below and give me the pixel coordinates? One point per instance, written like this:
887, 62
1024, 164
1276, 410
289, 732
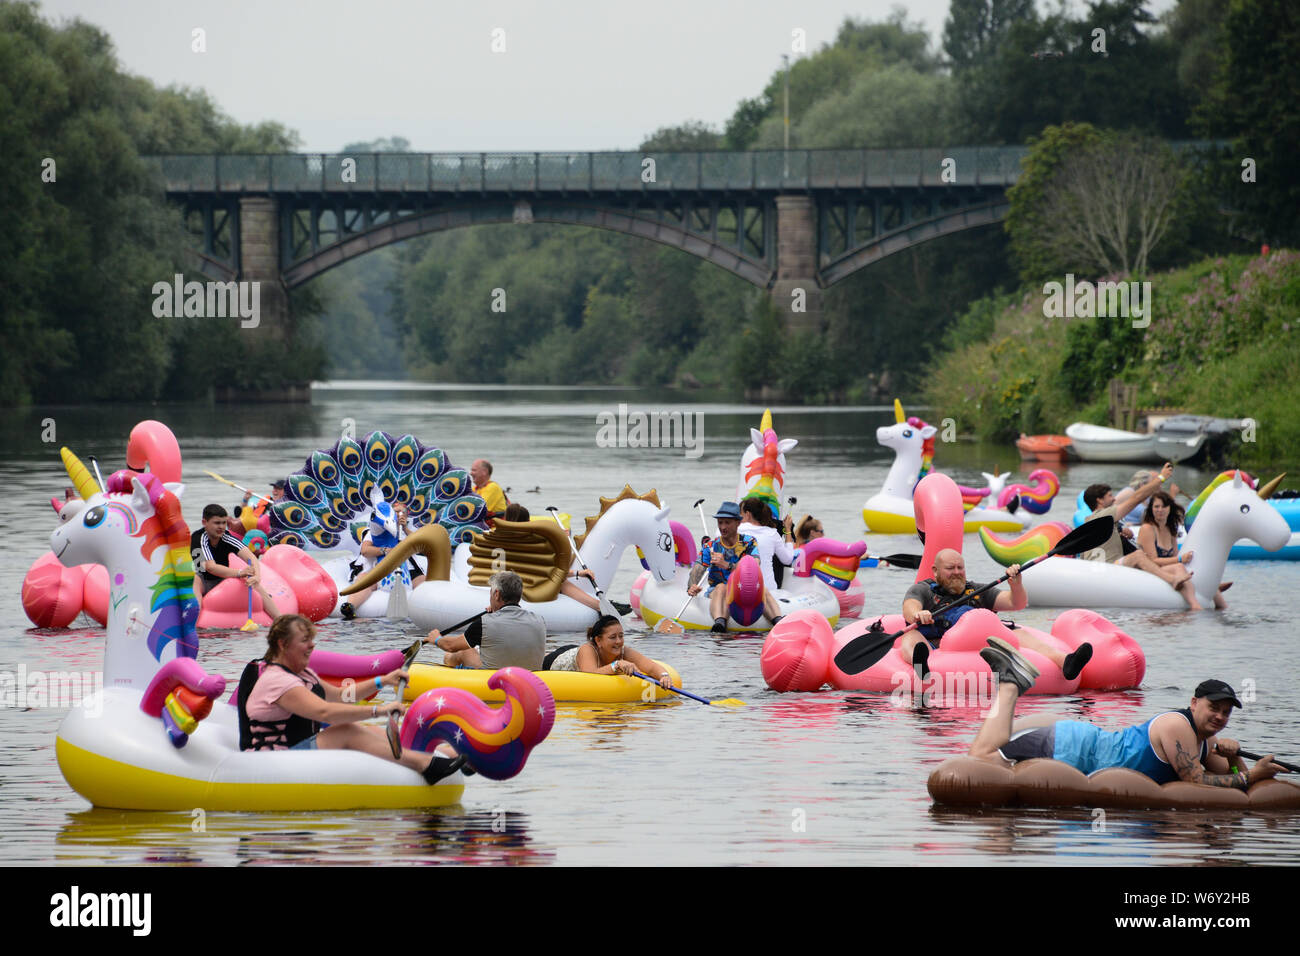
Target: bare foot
1225, 585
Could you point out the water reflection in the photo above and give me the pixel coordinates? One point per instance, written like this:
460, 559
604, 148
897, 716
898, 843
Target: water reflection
445, 835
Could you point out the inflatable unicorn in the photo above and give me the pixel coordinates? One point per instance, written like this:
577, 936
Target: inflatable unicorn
890, 511
455, 586
1231, 511
762, 466
1288, 507
156, 737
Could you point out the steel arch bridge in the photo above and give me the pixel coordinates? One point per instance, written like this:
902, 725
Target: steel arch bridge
811, 216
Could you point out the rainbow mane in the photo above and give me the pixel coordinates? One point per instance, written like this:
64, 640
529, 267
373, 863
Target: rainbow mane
927, 451
173, 591
1195, 507
495, 740
766, 472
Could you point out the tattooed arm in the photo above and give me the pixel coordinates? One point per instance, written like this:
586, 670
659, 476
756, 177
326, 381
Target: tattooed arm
1188, 766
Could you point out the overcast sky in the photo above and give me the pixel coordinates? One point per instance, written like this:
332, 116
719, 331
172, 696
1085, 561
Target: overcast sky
574, 74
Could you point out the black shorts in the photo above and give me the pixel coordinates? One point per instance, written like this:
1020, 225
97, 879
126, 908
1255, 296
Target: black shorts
1031, 743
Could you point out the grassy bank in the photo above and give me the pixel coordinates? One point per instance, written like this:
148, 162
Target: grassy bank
1223, 340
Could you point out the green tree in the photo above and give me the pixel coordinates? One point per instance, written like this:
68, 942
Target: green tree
1253, 101
975, 29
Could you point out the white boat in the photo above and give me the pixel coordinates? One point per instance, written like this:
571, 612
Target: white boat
1097, 443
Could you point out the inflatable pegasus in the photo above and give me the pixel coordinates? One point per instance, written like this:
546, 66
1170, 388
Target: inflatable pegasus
800, 652
157, 737
891, 511
455, 585
1230, 512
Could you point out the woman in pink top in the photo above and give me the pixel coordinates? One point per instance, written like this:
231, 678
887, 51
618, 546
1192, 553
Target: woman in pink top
283, 703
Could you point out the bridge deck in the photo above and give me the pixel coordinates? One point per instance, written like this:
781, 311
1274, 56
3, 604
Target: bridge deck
755, 171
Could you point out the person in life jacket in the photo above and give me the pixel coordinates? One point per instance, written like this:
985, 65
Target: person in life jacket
283, 705
948, 584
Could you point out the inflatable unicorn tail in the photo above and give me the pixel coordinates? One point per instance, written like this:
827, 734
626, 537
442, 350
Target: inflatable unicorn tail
181, 694
832, 562
495, 740
1035, 499
328, 502
1022, 548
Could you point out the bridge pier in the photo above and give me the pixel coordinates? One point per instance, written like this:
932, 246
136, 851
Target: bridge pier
259, 261
795, 290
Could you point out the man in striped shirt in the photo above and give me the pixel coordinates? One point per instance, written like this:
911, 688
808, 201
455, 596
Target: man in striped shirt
210, 550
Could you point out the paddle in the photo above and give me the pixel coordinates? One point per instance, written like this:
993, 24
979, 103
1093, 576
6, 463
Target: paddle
94, 463
410, 653
863, 651
250, 624
909, 561
605, 606
226, 481
1285, 766
725, 702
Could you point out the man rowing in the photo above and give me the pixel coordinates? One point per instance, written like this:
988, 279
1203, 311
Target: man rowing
1174, 745
925, 598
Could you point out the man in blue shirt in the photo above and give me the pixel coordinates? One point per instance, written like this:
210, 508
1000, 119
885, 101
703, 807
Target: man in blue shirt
1175, 745
720, 558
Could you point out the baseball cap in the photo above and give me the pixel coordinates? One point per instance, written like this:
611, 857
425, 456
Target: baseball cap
1216, 690
278, 484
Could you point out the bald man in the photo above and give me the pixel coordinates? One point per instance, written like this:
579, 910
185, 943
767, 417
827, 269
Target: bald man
949, 583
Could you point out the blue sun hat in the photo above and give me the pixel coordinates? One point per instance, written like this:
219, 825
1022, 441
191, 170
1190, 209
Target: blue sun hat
728, 509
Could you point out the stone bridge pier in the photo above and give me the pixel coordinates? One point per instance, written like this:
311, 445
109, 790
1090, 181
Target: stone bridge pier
795, 290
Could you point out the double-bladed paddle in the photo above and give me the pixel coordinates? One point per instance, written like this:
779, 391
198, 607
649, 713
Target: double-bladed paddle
863, 651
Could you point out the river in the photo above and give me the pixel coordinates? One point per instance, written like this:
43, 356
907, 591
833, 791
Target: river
826, 778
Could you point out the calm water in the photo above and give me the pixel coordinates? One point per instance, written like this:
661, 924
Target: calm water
832, 777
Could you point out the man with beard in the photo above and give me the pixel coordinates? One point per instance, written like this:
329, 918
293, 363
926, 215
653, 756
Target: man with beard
948, 584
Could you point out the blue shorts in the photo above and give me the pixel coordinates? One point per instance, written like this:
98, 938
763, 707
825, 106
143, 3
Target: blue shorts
308, 744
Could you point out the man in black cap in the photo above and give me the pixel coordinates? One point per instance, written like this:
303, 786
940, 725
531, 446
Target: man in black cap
721, 557
1174, 745
277, 495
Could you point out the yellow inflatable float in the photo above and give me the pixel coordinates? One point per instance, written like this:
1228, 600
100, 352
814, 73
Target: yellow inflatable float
567, 687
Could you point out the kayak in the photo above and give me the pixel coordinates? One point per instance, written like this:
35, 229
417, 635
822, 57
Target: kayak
567, 687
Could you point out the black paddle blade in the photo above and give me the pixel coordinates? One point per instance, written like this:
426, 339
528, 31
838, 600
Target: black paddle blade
863, 651
909, 561
1089, 535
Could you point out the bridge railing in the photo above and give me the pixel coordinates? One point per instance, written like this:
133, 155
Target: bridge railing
648, 171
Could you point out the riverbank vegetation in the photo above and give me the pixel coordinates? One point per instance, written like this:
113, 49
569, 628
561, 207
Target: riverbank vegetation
584, 305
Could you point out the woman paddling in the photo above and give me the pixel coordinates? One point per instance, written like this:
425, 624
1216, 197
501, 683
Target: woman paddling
283, 703
604, 653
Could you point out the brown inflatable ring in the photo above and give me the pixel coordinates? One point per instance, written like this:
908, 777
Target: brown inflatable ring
968, 782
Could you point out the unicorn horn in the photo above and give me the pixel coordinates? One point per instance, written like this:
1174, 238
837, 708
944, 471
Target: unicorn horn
899, 417
766, 423
1271, 487
82, 480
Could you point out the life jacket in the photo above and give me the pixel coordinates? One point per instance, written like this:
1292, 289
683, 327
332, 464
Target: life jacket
271, 735
948, 619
